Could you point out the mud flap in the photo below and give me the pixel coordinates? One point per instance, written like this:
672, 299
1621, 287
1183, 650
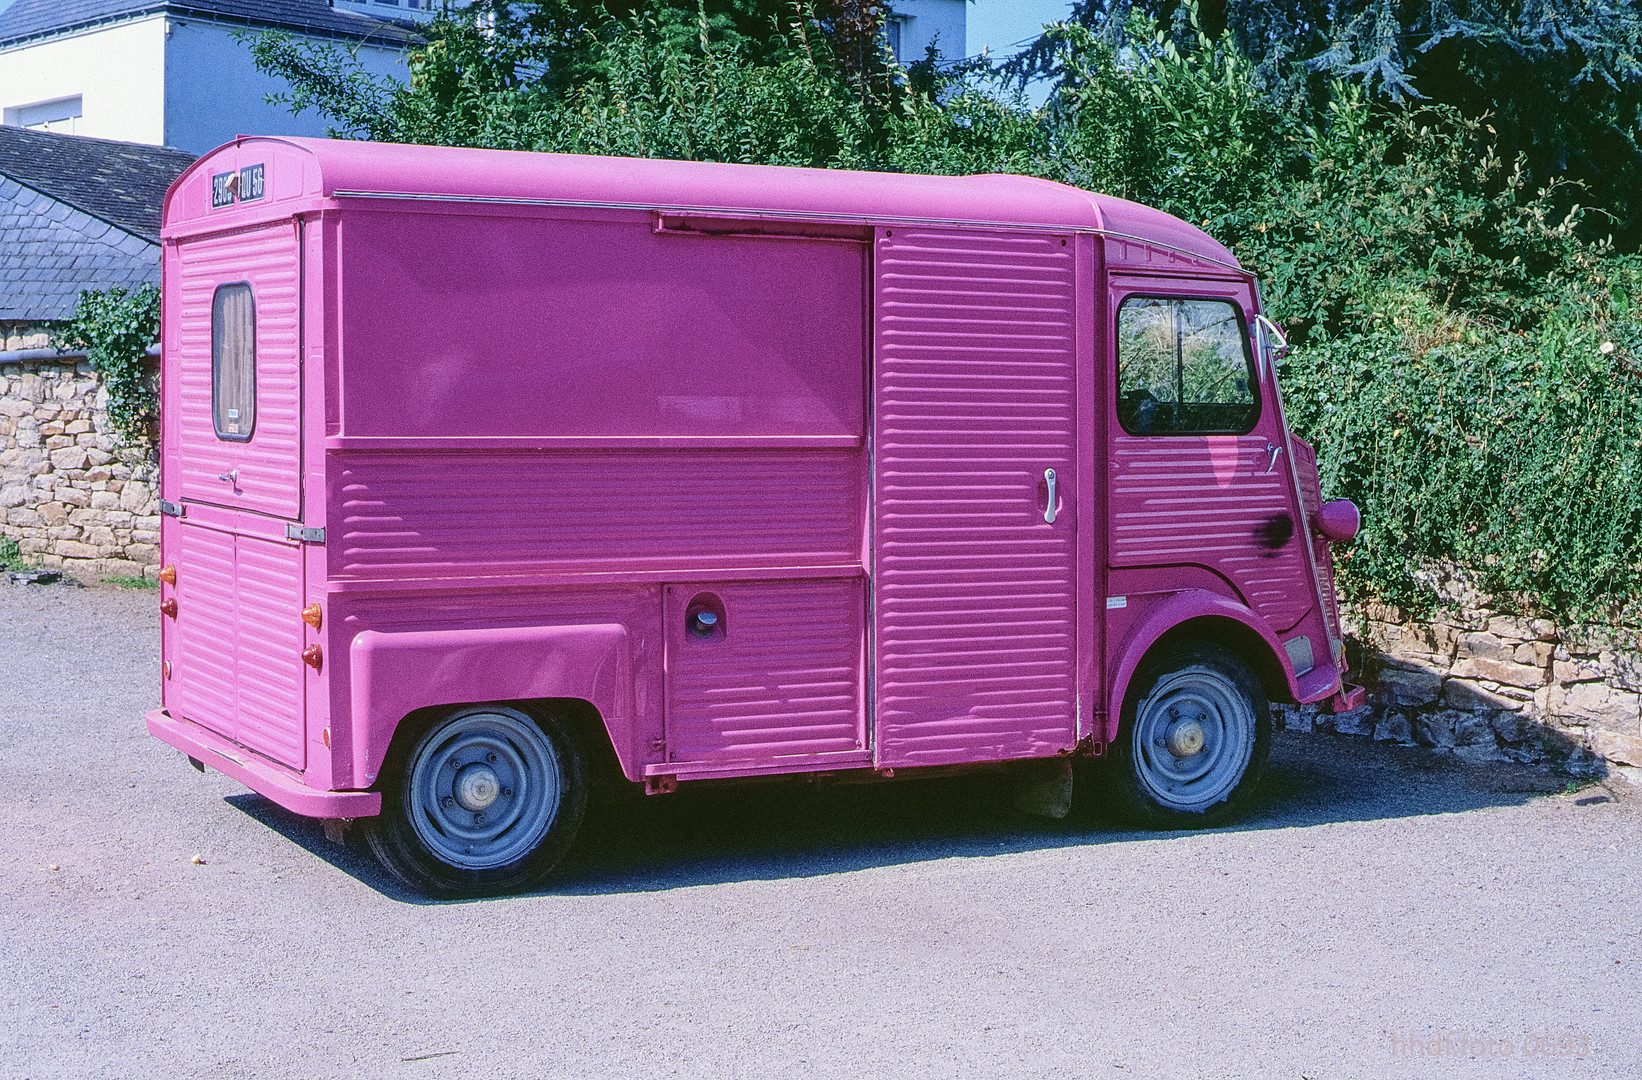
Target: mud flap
1350, 697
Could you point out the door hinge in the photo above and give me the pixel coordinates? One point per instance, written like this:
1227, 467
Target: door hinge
170, 509
305, 534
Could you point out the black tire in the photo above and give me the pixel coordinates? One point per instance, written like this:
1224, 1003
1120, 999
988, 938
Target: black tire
1195, 766
480, 801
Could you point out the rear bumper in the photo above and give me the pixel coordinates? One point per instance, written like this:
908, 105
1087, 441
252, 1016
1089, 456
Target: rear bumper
262, 777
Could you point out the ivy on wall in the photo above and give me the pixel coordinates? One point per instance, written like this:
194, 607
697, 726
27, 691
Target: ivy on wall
115, 328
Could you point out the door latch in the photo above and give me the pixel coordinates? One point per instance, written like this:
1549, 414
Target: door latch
1272, 451
1049, 507
304, 533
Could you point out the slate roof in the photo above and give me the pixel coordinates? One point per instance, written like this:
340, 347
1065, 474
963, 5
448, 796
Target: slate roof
21, 20
77, 213
49, 251
122, 183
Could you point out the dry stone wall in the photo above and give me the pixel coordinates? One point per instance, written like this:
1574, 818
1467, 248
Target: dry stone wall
70, 495
1485, 685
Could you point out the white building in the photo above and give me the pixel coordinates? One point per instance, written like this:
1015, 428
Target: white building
168, 74
394, 9
915, 25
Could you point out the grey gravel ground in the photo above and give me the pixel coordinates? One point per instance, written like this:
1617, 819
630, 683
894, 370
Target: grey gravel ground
1377, 903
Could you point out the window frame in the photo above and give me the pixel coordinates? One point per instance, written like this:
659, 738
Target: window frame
1249, 361
216, 365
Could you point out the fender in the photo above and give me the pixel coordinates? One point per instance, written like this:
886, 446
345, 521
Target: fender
395, 674
1166, 614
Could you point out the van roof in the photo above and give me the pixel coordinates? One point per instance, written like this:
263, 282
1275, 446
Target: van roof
352, 168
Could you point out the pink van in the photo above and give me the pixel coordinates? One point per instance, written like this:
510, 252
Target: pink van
492, 477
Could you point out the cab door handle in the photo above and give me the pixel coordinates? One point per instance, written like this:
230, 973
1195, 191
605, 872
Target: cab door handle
1049, 506
1271, 461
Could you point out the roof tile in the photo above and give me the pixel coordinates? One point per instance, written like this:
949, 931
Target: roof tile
42, 18
119, 182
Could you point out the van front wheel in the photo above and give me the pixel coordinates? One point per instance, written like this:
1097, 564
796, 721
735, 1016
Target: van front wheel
1195, 735
485, 800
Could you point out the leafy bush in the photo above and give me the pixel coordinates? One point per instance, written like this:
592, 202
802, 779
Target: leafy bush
1452, 315
115, 328
1516, 454
11, 556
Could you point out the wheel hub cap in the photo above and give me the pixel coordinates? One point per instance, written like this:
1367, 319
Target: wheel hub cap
1194, 734
477, 787
1185, 738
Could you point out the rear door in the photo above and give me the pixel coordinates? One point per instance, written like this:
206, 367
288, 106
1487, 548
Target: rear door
974, 532
240, 398
238, 434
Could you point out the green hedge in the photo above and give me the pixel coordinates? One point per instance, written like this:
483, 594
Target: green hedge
1516, 454
1450, 316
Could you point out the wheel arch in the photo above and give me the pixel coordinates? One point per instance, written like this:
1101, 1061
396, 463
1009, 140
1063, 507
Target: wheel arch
1200, 615
583, 673
586, 725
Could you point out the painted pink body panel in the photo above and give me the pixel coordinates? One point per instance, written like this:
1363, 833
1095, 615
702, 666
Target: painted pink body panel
778, 677
280, 785
1164, 612
772, 330
433, 514
976, 398
299, 168
397, 672
522, 415
432, 608
266, 471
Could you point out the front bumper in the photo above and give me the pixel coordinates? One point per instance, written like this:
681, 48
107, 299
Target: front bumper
261, 776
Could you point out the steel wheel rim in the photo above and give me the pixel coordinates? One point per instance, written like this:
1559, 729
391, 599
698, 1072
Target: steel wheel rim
484, 789
1206, 699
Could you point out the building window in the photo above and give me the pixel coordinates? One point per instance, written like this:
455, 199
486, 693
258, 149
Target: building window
1184, 368
234, 362
61, 115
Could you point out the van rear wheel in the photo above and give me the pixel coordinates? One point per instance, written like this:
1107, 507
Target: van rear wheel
484, 800
1195, 735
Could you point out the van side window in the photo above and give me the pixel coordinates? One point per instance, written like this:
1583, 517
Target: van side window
234, 362
1184, 368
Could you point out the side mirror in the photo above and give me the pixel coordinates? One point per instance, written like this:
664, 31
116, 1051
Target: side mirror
1277, 345
1338, 521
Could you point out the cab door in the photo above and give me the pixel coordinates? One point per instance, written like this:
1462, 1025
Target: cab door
1199, 474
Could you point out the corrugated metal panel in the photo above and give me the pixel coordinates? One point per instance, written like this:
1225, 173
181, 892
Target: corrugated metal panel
784, 679
1180, 500
1311, 496
269, 464
430, 514
268, 638
203, 675
239, 670
974, 591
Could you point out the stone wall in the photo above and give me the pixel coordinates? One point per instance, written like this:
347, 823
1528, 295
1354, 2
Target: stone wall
70, 495
23, 335
1486, 685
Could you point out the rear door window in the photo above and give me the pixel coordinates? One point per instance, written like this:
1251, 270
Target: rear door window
234, 362
1184, 368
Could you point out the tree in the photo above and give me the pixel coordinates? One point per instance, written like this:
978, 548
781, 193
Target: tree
1560, 83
